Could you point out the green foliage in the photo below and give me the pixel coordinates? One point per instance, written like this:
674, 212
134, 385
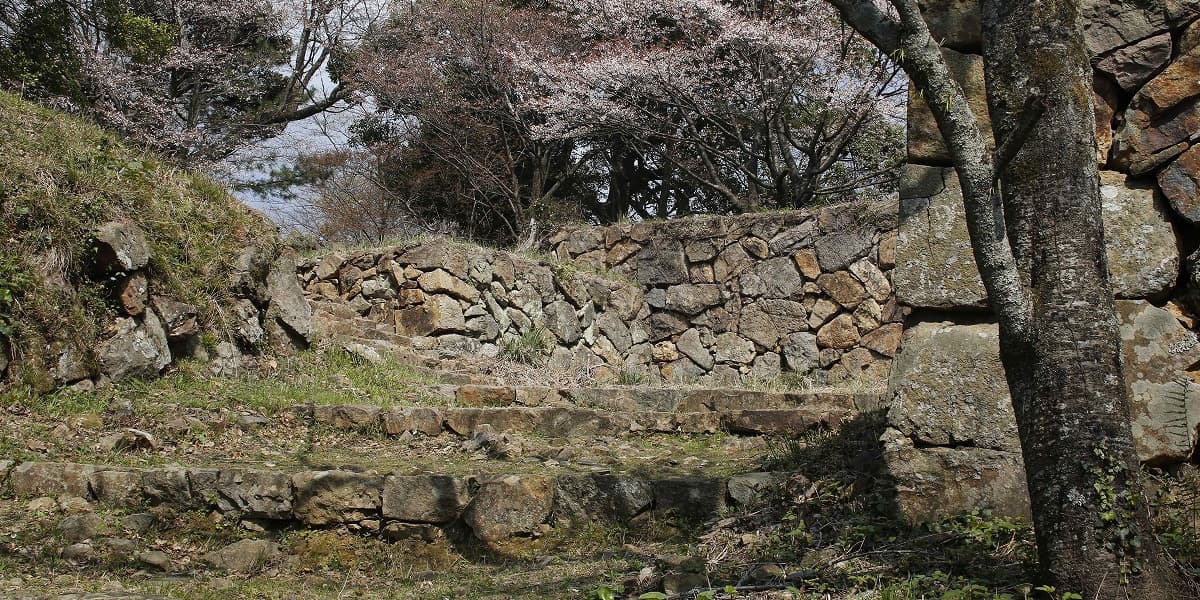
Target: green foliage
60, 178
532, 347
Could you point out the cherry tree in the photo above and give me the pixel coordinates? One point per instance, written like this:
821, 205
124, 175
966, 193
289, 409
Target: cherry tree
755, 103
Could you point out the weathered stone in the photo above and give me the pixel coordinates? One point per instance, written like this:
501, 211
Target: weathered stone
1163, 116
121, 246
935, 267
133, 292
730, 263
840, 333
439, 314
780, 278
732, 348
793, 238
247, 327
925, 144
821, 312
868, 315
255, 494
766, 367
439, 281
692, 299
1164, 401
664, 325
682, 370
936, 402
665, 351
758, 326
378, 288
1143, 259
83, 527
885, 340
875, 282
615, 330
954, 23
117, 487
398, 420
438, 253
1110, 24
756, 247
1180, 183
800, 352
788, 316
32, 479
138, 349
936, 482
806, 261
598, 498
509, 506
753, 489
167, 485
1131, 66
332, 497
245, 556
661, 262
690, 498
287, 304
690, 345
329, 265
837, 250
425, 498
562, 322
179, 319
843, 288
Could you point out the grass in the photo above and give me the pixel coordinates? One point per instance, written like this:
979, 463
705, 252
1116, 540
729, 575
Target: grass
321, 377
61, 177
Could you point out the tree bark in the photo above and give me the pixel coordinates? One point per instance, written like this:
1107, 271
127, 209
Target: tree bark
1041, 255
1093, 530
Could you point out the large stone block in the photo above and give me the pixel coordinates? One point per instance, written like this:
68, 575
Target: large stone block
425, 498
1180, 183
1111, 24
1164, 116
925, 144
936, 267
952, 443
954, 23
51, 479
333, 497
592, 498
509, 506
255, 494
935, 401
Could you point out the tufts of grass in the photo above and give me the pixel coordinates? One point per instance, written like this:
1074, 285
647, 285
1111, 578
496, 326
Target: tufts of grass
60, 178
532, 347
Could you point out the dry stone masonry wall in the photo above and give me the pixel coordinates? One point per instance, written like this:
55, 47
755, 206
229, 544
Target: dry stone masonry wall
952, 443
708, 300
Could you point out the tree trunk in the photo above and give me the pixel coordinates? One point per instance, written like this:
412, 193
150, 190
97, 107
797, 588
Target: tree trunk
1072, 407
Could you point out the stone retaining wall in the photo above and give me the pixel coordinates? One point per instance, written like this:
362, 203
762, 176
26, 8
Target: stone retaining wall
952, 441
497, 509
707, 300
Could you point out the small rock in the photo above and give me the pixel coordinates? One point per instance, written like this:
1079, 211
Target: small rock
244, 556
78, 552
155, 560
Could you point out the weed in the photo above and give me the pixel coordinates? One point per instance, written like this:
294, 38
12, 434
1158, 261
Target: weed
532, 347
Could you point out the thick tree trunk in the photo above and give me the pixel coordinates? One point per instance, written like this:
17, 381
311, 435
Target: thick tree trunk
1093, 529
1041, 255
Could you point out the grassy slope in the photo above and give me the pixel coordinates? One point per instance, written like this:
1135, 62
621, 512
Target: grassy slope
62, 176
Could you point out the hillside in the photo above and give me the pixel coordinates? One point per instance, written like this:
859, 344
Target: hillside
61, 180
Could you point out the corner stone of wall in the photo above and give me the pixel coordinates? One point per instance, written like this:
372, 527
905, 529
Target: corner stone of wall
951, 441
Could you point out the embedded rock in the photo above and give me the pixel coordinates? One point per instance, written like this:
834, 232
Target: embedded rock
1143, 259
591, 498
138, 349
332, 497
425, 498
245, 556
255, 494
121, 246
286, 303
1132, 66
509, 506
1180, 183
925, 144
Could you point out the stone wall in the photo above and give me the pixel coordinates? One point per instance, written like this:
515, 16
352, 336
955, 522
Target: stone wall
708, 300
952, 442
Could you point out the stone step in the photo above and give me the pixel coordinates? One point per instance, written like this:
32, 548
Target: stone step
652, 399
572, 421
495, 509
